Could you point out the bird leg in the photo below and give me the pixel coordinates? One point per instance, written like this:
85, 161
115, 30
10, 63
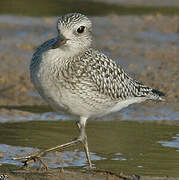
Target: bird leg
37, 156
83, 138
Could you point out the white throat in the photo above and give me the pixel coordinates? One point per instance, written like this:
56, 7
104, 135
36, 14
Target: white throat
64, 53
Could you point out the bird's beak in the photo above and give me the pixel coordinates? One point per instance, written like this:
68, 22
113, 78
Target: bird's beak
61, 40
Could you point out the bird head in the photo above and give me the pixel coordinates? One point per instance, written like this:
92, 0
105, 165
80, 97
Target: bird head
74, 33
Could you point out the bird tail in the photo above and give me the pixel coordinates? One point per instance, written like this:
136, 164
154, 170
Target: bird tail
149, 93
156, 95
142, 90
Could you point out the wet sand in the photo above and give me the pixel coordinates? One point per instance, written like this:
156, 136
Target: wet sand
80, 175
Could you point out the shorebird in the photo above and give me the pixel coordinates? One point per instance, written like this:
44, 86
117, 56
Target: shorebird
74, 78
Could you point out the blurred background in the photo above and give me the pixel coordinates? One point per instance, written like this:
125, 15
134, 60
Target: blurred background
141, 35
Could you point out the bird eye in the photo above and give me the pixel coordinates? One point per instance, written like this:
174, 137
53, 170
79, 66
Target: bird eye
81, 29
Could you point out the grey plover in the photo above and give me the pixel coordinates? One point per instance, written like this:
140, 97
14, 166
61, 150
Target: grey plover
74, 78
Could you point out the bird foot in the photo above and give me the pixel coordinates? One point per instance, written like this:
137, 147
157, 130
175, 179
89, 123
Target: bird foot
26, 160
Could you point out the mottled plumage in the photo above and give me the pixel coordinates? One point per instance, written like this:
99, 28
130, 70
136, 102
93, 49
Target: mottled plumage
75, 78
94, 78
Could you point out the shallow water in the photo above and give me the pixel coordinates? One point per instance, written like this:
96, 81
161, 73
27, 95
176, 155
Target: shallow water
145, 148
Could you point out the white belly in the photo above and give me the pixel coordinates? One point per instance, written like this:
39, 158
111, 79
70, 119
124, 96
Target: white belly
122, 104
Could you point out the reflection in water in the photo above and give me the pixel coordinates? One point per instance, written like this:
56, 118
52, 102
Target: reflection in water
54, 159
127, 146
174, 143
13, 151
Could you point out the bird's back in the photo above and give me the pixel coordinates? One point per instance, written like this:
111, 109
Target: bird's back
110, 79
